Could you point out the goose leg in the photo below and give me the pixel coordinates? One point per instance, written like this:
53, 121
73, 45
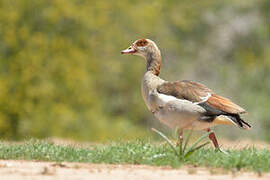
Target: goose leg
213, 138
180, 141
180, 137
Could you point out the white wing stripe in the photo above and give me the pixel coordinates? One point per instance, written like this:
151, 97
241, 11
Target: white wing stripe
204, 99
166, 98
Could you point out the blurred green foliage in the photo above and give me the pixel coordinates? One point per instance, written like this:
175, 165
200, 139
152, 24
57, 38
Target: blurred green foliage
61, 72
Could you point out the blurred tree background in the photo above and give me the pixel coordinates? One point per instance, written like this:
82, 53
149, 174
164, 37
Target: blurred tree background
62, 75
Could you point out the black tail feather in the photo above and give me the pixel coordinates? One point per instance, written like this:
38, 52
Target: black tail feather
240, 122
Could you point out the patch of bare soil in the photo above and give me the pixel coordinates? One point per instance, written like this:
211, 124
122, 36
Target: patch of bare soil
13, 170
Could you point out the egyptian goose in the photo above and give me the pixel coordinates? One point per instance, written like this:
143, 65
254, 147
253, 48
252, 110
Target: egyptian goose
182, 104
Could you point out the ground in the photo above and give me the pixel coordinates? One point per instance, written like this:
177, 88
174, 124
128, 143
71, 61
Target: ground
11, 170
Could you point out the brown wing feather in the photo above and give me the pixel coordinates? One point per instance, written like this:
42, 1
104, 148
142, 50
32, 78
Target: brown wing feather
194, 92
224, 104
188, 90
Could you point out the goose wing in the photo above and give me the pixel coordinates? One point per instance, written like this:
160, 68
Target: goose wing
201, 95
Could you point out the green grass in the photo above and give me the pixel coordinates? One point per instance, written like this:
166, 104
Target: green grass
138, 152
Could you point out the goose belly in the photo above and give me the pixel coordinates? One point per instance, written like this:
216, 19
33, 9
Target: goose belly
181, 121
178, 113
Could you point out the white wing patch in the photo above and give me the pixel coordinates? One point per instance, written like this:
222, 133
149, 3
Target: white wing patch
204, 99
166, 98
163, 98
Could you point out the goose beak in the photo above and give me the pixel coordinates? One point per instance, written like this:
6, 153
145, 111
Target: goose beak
129, 50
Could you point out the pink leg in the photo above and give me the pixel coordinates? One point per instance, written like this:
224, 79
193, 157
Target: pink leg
180, 138
213, 138
180, 135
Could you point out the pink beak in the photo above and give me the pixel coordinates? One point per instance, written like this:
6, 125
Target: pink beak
129, 50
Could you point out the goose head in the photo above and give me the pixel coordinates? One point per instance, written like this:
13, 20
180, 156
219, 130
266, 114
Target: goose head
143, 48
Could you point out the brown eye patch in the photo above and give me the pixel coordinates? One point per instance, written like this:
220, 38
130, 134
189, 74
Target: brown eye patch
142, 42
